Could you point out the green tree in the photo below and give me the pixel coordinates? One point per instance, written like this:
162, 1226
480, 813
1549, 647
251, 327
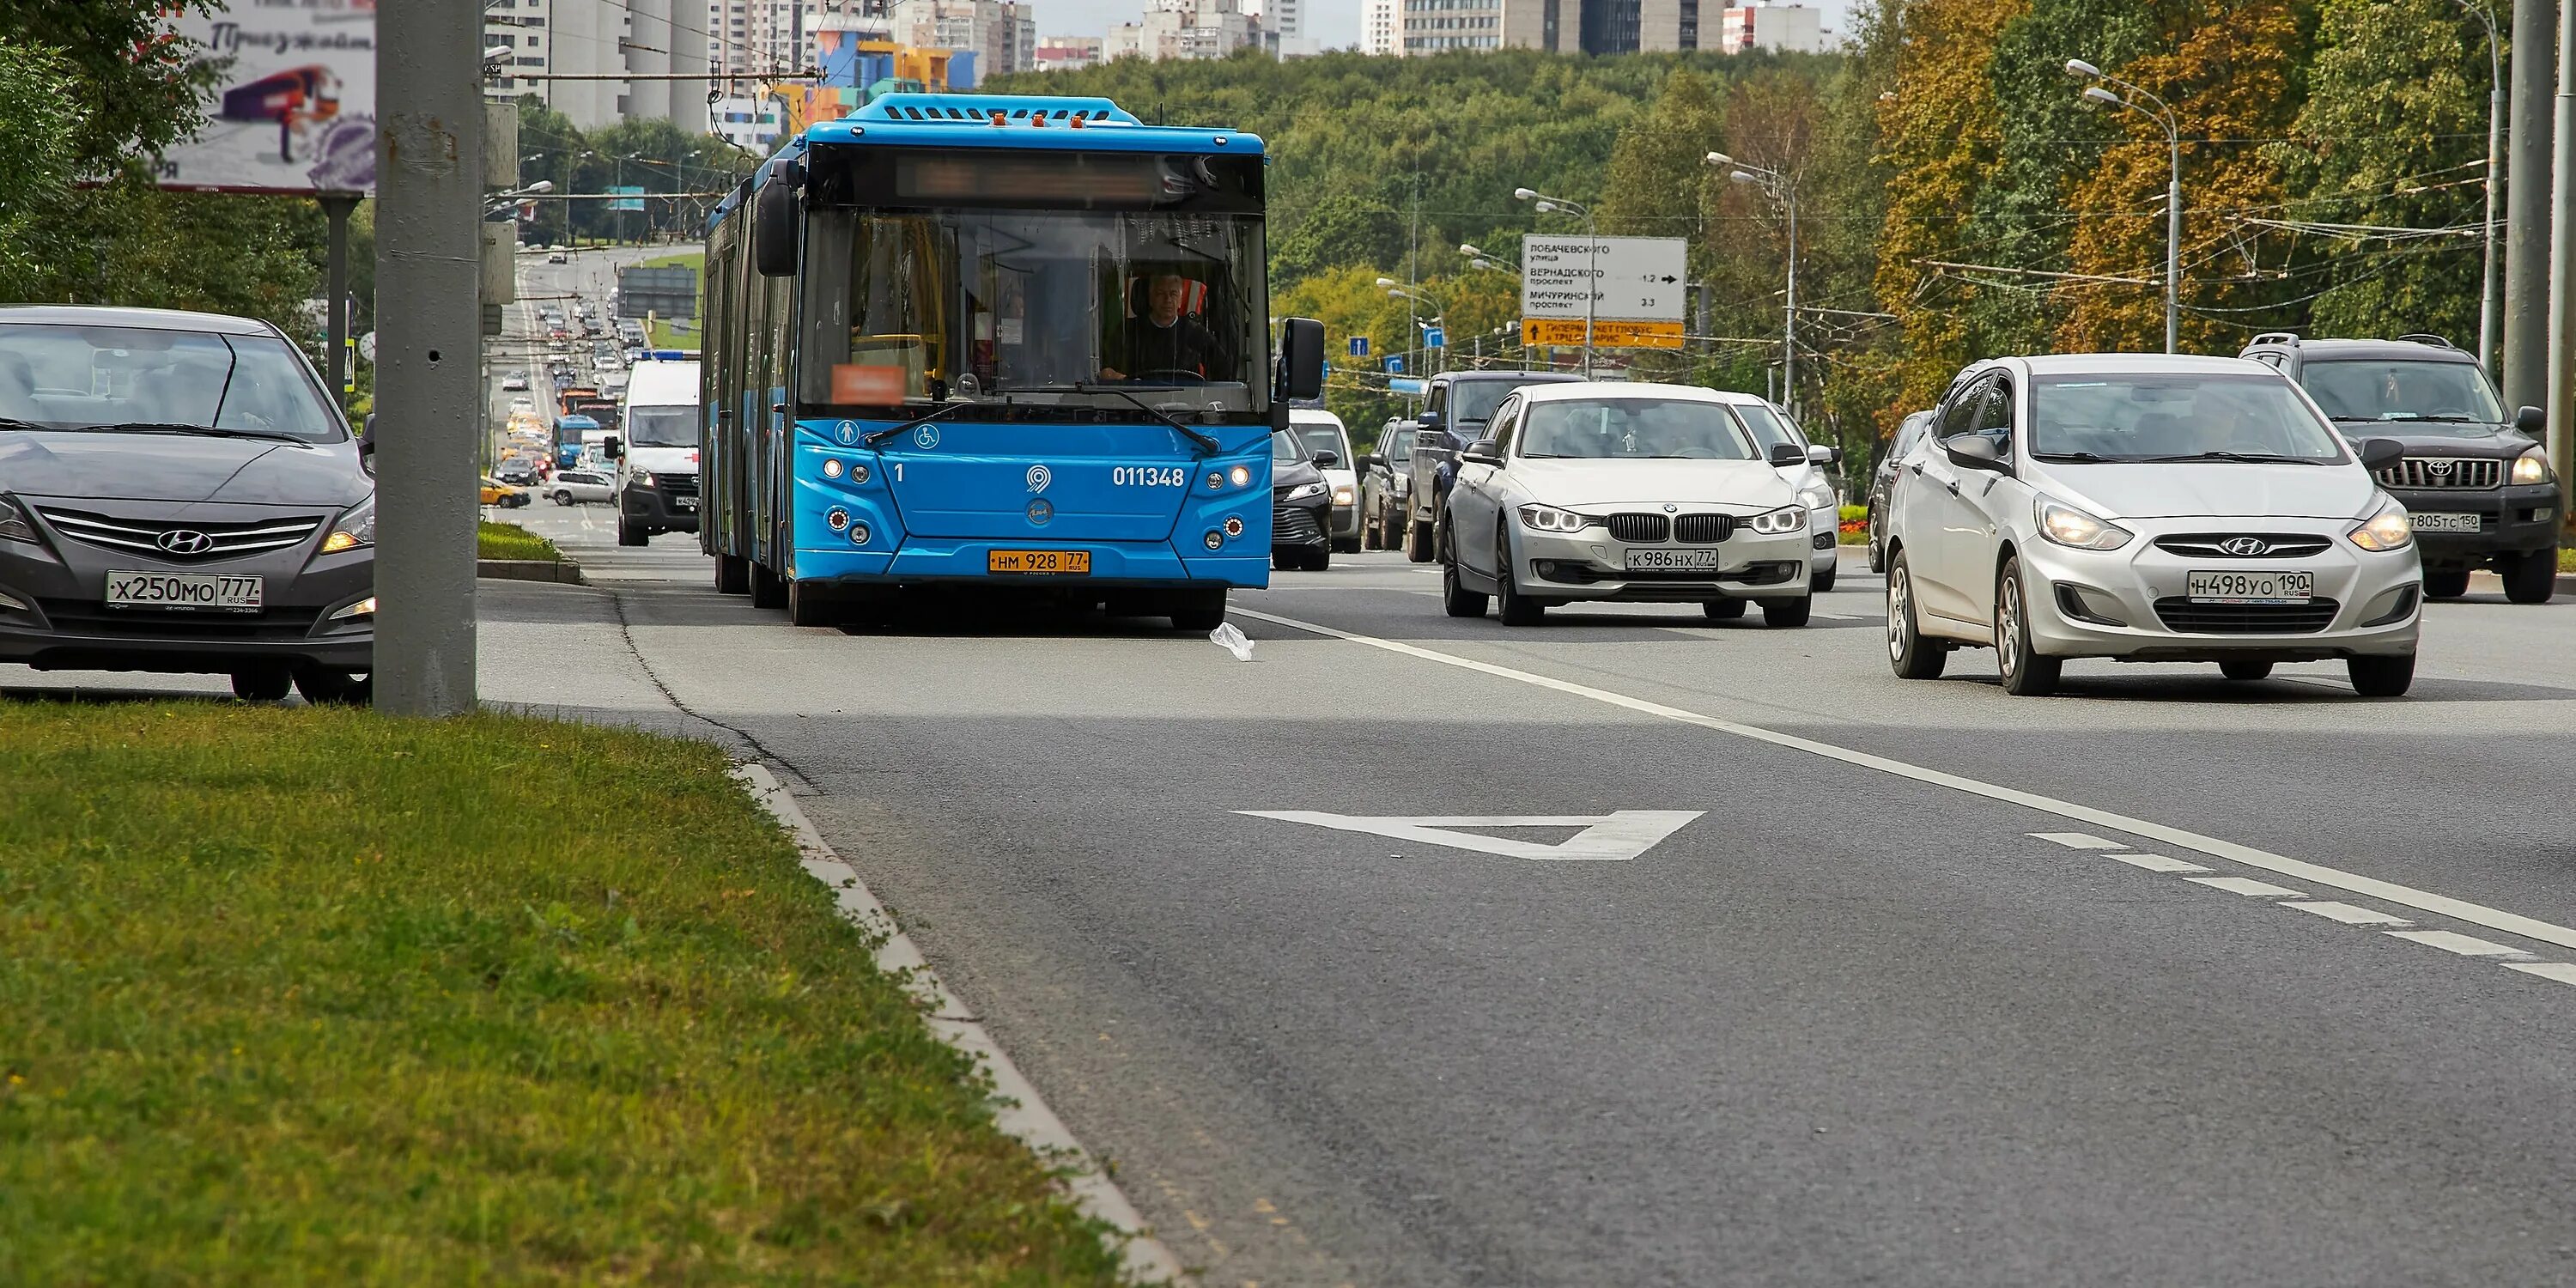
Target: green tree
38, 120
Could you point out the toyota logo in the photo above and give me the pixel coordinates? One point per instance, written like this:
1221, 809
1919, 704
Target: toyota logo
2245, 547
184, 541
2439, 466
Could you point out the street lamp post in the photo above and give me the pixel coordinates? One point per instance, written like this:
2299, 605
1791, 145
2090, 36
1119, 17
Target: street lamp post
1412, 295
1782, 190
2490, 308
1591, 257
2163, 115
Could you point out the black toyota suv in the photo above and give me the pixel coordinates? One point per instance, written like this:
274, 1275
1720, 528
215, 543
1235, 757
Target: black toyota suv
2478, 485
1454, 409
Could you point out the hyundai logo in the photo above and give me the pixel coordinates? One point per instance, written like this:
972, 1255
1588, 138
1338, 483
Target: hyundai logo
184, 541
2245, 547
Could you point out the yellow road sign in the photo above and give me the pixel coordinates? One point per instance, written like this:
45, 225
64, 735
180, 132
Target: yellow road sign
1605, 334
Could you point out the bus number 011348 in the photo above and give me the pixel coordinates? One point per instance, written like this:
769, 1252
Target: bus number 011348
1148, 476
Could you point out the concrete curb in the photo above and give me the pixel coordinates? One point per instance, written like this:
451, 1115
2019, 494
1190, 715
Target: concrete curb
1020, 1112
562, 570
2487, 583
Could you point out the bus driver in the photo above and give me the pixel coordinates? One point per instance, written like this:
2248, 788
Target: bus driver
1162, 341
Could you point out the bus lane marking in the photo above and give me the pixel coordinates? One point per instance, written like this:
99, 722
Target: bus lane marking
1616, 836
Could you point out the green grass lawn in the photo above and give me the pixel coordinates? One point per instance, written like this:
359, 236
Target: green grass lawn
315, 996
662, 335
510, 541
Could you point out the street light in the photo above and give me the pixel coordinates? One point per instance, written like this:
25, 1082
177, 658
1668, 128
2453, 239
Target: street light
1412, 296
1782, 190
1592, 256
2163, 115
2487, 302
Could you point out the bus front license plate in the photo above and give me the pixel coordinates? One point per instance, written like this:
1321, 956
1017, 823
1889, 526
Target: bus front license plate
1073, 563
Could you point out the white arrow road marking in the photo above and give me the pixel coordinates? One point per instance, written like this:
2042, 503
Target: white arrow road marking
1623, 835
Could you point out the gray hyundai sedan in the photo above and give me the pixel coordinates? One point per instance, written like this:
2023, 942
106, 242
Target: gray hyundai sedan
178, 493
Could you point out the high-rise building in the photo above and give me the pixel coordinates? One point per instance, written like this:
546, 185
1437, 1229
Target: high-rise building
1067, 53
1184, 29
1785, 27
1381, 30
553, 43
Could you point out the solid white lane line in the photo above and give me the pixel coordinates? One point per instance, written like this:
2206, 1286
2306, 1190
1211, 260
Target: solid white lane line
2156, 863
2451, 941
2247, 886
2349, 914
2563, 972
2476, 914
2077, 840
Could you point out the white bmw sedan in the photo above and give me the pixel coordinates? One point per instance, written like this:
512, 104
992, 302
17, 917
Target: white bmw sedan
2147, 508
1637, 492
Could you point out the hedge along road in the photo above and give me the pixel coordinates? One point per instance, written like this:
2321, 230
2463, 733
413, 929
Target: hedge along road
1845, 1022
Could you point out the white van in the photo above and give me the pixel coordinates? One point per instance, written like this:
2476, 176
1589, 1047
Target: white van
657, 450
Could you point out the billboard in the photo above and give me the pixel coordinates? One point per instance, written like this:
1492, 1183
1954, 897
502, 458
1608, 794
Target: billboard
295, 109
629, 196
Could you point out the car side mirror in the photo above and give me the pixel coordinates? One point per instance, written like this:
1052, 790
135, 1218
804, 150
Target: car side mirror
1427, 419
613, 447
1975, 452
1822, 456
1481, 452
1787, 454
1373, 461
1301, 359
1328, 459
2532, 421
2379, 453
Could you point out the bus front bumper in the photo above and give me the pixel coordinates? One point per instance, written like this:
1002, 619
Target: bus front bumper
924, 561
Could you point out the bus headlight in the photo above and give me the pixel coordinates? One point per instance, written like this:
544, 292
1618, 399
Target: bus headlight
1240, 476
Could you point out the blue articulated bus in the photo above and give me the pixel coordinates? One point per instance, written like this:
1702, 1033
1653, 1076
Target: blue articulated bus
995, 341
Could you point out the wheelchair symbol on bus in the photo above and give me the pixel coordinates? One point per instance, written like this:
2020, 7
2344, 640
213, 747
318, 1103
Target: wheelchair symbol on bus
926, 437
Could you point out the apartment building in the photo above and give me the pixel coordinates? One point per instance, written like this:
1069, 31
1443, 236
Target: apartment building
552, 43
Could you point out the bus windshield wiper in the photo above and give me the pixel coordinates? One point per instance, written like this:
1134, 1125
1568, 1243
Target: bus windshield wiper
176, 427
875, 437
12, 422
1207, 443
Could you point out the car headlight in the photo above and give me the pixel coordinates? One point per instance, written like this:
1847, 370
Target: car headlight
1815, 496
1547, 518
2068, 526
2533, 467
356, 527
1303, 491
1788, 518
639, 478
13, 523
1341, 496
2386, 530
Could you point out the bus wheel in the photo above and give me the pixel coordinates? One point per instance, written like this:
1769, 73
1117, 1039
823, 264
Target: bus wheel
733, 575
768, 590
809, 604
1202, 611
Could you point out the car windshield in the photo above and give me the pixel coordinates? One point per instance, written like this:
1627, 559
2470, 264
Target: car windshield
2453, 396
78, 377
1649, 429
2177, 417
1285, 447
1400, 443
661, 426
1475, 400
1770, 429
1320, 437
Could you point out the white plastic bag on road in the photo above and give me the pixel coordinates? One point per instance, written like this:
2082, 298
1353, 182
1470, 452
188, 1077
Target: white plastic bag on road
1226, 637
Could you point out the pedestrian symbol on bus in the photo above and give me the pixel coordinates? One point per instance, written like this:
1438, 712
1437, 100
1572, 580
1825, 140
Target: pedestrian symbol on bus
849, 433
1359, 346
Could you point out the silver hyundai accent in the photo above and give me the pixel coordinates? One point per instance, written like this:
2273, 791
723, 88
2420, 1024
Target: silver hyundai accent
2146, 508
178, 493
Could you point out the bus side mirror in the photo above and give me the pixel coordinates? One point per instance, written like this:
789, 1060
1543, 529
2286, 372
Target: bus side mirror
1301, 359
773, 228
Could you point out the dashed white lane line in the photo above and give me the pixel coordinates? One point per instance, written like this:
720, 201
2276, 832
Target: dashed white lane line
2475, 914
2349, 914
2452, 941
2077, 840
2156, 863
2563, 972
2248, 887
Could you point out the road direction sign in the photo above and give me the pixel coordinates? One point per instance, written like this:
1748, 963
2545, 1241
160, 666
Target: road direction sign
1623, 835
1629, 279
1434, 338
1395, 363
1605, 335
1359, 346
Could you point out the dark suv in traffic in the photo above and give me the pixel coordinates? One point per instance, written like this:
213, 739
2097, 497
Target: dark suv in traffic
178, 493
2476, 484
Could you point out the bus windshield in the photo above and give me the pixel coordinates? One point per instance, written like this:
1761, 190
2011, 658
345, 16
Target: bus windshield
1091, 309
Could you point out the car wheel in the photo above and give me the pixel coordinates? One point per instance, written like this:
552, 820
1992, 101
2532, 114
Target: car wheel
262, 684
1455, 597
1199, 611
1723, 610
733, 575
1417, 541
1912, 656
1788, 612
1347, 545
1821, 582
2025, 673
630, 533
1517, 609
2381, 677
2245, 670
2445, 583
322, 686
563, 498
2530, 577
1284, 559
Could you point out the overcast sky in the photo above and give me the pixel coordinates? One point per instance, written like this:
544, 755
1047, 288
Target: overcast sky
1332, 23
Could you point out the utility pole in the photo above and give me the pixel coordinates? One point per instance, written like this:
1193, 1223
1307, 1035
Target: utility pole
2526, 217
429, 168
335, 282
2562, 250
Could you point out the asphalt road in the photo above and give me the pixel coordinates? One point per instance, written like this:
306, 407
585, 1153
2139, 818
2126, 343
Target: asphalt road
1850, 1021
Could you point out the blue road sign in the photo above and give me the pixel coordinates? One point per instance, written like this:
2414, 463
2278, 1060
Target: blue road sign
1395, 363
1407, 385
1359, 346
1434, 337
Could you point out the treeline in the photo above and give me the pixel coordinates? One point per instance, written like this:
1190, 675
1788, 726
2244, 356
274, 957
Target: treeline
676, 169
1955, 197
